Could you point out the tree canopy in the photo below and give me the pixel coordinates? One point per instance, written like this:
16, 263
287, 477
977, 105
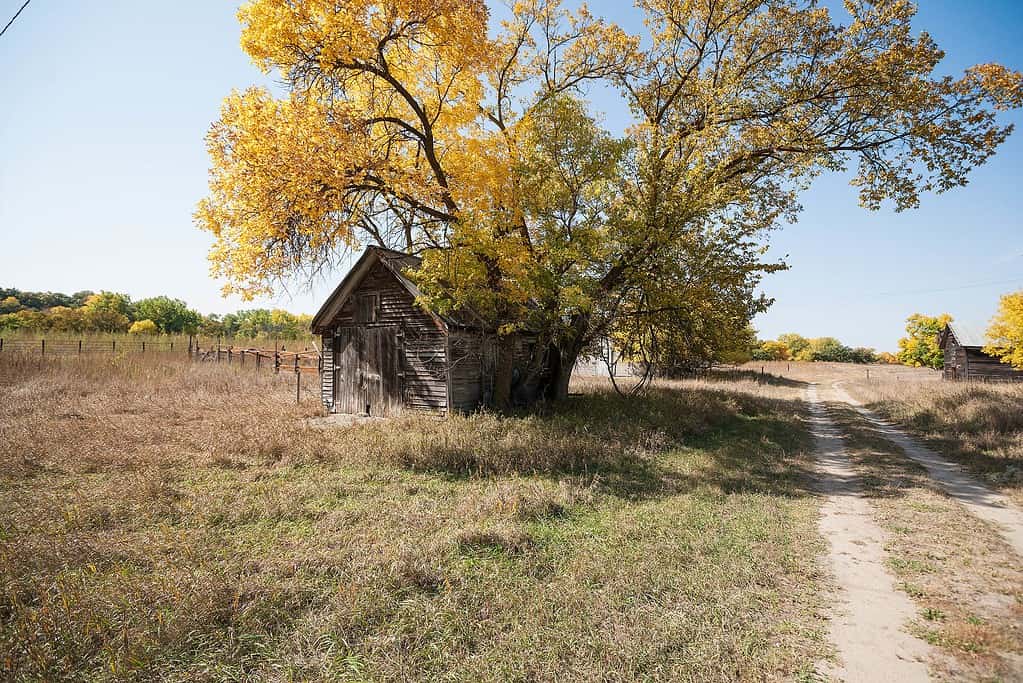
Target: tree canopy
17, 300
919, 348
144, 327
1005, 334
171, 316
109, 301
404, 122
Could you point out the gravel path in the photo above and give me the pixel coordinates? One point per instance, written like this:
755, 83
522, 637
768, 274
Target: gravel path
974, 496
867, 628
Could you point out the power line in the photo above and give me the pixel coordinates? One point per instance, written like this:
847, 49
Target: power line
14, 17
952, 289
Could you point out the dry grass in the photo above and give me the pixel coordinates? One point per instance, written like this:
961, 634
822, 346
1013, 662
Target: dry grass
174, 521
965, 579
979, 425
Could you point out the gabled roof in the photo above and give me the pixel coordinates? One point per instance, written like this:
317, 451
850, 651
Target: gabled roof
371, 257
965, 335
398, 263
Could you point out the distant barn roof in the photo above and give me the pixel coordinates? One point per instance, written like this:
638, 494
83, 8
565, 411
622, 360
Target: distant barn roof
967, 334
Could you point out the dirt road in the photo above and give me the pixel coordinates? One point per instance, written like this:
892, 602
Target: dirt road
868, 627
971, 493
876, 622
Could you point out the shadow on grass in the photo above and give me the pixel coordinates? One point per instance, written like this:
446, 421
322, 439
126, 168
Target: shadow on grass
667, 442
752, 376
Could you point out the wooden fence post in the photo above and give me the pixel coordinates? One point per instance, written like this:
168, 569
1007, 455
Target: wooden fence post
1, 343
113, 345
43, 347
79, 347
298, 383
143, 346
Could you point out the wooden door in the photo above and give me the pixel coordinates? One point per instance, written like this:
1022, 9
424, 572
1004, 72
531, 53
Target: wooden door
346, 371
367, 370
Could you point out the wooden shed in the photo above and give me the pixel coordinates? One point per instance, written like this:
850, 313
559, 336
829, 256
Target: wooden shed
965, 358
384, 351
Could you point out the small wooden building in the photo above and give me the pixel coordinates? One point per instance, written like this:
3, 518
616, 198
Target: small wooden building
965, 358
384, 352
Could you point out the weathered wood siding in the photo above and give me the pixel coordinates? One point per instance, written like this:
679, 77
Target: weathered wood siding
980, 366
473, 359
327, 374
425, 369
383, 349
421, 352
367, 378
526, 385
472, 362
955, 362
967, 363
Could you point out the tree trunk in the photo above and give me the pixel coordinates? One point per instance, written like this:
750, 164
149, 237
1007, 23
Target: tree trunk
562, 372
503, 372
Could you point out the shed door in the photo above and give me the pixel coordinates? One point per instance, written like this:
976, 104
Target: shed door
367, 364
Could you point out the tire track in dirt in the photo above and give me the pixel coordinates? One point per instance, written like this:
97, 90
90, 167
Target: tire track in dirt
978, 499
867, 628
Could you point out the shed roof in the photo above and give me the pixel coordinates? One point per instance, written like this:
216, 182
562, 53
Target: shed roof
968, 335
398, 263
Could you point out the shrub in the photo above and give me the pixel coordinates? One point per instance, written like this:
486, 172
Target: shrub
147, 327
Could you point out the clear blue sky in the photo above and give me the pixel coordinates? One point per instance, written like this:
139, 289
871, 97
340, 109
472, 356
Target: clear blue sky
104, 105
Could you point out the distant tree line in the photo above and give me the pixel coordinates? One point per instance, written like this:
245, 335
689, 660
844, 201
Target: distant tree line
112, 312
14, 299
918, 349
258, 322
824, 349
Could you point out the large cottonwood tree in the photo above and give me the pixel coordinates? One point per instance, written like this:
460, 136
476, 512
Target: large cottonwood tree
409, 123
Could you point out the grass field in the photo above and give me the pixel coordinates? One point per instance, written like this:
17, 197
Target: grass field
978, 425
187, 521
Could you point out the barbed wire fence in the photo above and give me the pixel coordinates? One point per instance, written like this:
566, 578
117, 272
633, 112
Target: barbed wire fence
299, 360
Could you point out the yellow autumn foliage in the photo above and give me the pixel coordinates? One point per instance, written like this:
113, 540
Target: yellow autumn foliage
408, 123
1005, 334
